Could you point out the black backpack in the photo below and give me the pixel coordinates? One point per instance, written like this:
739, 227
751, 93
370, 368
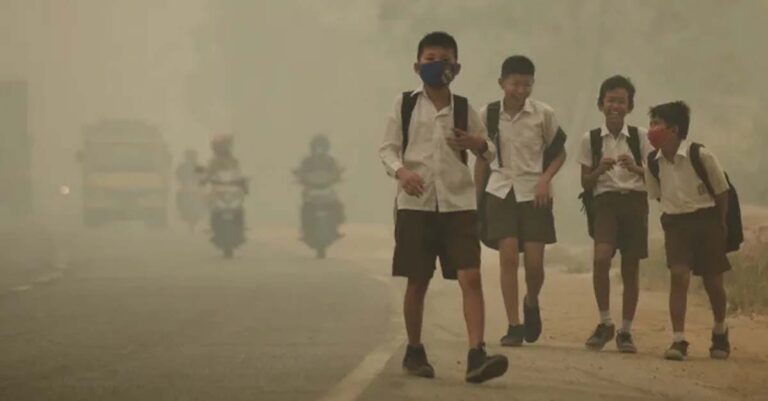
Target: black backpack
735, 234
460, 116
493, 112
596, 144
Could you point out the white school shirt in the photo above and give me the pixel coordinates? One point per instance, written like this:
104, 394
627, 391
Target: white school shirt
618, 179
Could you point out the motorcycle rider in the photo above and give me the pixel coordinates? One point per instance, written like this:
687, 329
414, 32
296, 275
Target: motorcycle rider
190, 198
318, 173
223, 175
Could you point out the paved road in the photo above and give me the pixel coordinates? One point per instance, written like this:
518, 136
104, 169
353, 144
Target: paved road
140, 317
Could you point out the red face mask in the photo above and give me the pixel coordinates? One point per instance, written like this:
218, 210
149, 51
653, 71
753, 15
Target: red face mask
657, 137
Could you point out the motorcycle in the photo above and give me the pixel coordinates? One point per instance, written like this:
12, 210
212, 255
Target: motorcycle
228, 190
322, 213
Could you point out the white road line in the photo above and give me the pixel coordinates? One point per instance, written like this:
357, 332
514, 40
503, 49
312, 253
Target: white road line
358, 380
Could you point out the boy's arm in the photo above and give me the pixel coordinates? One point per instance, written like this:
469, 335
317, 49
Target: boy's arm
390, 151
718, 181
477, 127
652, 184
482, 169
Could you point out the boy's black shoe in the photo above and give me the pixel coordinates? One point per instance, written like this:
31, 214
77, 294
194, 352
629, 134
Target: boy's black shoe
602, 335
624, 343
532, 321
481, 367
678, 351
415, 362
514, 336
721, 347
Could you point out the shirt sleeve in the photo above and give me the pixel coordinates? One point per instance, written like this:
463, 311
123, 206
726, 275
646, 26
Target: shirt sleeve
585, 151
714, 171
645, 145
652, 184
551, 125
476, 126
390, 151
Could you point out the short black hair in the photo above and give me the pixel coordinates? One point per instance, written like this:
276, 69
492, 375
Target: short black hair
517, 65
437, 39
673, 114
617, 82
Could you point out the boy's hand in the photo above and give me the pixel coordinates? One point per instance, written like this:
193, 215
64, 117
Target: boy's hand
411, 182
628, 162
543, 196
606, 165
465, 141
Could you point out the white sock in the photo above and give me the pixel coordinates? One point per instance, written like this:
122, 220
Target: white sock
720, 328
626, 326
605, 317
678, 336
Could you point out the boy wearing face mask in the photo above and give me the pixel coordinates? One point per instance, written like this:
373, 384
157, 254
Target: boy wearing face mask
612, 175
515, 192
693, 219
425, 150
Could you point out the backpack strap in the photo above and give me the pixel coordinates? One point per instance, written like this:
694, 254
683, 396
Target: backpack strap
634, 144
406, 110
554, 149
698, 166
596, 143
461, 118
493, 112
653, 164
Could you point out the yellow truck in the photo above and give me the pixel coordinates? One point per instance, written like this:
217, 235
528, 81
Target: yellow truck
126, 169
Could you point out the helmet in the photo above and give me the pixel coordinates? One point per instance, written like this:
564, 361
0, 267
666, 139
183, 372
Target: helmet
221, 144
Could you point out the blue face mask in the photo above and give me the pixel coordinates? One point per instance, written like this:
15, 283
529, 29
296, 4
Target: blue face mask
437, 74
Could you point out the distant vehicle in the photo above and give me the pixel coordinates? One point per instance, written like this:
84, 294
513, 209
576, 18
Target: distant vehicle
227, 192
126, 173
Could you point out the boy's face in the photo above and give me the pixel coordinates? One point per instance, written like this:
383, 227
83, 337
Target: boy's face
517, 87
615, 105
436, 53
662, 135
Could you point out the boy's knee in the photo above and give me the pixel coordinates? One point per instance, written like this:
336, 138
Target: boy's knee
470, 278
418, 285
680, 275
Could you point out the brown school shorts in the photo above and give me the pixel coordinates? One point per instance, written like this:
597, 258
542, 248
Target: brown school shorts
621, 219
697, 240
423, 237
507, 218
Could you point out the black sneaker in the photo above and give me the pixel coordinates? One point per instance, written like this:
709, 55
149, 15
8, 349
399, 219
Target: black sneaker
721, 347
678, 351
532, 321
481, 367
602, 335
415, 362
624, 343
514, 336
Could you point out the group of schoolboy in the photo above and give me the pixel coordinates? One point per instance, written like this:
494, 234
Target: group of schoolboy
444, 212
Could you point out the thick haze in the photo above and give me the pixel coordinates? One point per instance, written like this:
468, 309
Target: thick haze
277, 72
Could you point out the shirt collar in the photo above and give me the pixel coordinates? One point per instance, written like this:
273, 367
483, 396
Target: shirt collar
528, 107
420, 90
606, 132
685, 146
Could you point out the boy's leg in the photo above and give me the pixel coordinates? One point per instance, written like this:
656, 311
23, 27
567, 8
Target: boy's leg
678, 297
509, 262
601, 281
474, 305
713, 283
630, 275
534, 271
534, 279
413, 308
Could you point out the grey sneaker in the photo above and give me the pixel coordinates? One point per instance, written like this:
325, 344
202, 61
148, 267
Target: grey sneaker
415, 363
678, 351
624, 343
602, 335
481, 367
514, 336
721, 347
